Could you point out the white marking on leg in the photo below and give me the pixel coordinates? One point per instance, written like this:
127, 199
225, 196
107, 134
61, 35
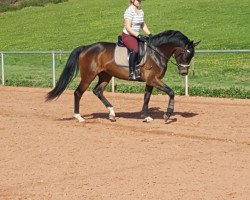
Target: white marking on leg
79, 117
111, 114
148, 119
111, 111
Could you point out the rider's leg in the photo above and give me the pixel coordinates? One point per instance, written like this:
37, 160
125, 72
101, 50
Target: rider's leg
132, 44
132, 63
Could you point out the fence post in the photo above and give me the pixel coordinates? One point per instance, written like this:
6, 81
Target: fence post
2, 61
113, 84
53, 69
186, 85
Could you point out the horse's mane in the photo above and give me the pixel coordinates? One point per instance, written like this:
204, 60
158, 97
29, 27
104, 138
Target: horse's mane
168, 37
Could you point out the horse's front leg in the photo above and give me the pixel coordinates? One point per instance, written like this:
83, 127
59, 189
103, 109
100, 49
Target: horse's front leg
170, 109
144, 112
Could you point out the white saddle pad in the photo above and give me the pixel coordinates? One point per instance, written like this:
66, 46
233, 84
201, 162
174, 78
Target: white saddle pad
121, 57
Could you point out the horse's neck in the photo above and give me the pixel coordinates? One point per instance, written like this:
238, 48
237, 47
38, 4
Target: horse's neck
168, 49
160, 55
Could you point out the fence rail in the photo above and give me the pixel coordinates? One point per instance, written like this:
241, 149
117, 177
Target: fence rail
53, 53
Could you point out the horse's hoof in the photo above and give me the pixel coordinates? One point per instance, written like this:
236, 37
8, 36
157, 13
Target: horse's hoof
148, 119
112, 118
79, 117
166, 116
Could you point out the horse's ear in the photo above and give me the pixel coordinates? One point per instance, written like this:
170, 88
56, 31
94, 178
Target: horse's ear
196, 43
189, 44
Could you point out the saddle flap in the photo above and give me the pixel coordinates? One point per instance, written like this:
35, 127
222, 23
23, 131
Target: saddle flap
121, 56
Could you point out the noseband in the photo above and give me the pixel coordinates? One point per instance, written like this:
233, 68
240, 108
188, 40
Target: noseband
182, 65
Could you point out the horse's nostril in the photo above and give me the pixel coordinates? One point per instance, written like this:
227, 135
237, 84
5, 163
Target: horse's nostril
183, 72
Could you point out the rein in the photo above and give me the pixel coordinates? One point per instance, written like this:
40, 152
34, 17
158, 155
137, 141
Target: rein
163, 56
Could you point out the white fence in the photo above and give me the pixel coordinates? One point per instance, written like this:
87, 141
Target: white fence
53, 61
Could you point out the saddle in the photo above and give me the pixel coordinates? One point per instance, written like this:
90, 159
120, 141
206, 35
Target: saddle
121, 56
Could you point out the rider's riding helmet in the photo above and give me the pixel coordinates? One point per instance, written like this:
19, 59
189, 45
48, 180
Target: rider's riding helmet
132, 1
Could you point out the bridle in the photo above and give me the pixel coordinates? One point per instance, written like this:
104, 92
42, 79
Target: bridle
168, 59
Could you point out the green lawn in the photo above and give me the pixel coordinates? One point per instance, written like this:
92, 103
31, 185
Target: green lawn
221, 24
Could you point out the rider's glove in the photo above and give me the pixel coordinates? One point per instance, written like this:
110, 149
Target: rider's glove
141, 38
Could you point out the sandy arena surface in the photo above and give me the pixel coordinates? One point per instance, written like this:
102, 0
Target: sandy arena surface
202, 153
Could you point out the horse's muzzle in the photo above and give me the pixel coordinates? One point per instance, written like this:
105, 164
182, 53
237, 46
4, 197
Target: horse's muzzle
183, 71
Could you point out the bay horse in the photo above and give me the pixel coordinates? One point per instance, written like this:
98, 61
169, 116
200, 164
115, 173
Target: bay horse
98, 60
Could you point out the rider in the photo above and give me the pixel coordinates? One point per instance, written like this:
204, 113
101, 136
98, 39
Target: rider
133, 23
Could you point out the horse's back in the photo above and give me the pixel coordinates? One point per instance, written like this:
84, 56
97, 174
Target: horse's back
102, 45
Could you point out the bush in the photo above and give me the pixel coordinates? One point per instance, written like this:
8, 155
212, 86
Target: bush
11, 5
226, 93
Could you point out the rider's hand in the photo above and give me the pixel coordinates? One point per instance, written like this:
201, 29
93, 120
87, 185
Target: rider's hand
148, 37
141, 38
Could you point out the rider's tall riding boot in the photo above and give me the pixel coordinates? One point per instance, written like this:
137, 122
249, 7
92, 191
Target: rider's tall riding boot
132, 63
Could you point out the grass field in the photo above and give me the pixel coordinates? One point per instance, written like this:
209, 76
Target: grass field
218, 24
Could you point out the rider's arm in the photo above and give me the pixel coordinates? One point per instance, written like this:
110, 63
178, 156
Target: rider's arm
128, 26
145, 28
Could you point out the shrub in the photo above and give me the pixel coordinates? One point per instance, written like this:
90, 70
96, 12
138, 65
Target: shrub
11, 5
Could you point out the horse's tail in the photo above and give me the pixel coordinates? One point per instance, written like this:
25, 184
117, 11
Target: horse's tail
69, 73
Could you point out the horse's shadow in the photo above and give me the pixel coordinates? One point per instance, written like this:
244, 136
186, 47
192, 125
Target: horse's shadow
154, 112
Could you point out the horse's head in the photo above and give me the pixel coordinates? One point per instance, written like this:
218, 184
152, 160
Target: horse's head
175, 43
183, 57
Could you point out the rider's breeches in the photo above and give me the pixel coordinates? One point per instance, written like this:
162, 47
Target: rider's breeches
130, 42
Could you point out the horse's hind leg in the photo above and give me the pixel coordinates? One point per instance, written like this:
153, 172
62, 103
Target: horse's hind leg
77, 96
104, 79
82, 87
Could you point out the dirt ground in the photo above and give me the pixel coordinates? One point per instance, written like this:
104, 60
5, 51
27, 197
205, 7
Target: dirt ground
202, 153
